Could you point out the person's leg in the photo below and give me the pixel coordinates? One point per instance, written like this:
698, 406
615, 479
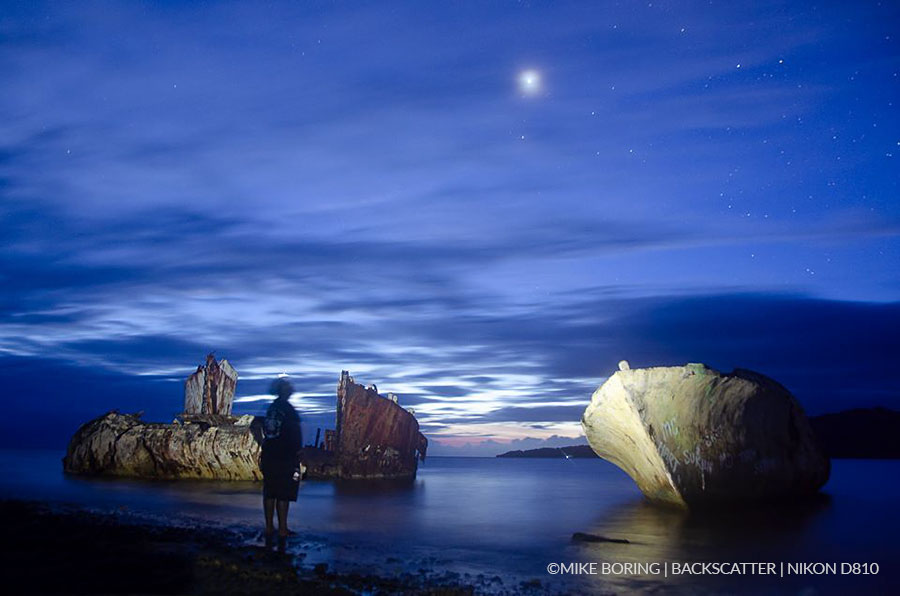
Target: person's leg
269, 509
282, 507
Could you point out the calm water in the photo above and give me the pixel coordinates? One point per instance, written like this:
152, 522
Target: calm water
511, 518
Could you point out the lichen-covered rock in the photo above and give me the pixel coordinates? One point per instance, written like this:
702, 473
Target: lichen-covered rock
122, 445
689, 434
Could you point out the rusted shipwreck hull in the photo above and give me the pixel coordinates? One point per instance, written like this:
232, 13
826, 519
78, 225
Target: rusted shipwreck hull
205, 441
210, 390
374, 437
123, 445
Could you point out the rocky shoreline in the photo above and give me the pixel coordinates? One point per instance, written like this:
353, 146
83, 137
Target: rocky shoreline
70, 550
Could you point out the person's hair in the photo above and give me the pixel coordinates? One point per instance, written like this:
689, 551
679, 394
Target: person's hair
281, 387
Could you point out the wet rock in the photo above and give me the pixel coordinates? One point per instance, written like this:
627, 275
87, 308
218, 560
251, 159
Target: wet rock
689, 434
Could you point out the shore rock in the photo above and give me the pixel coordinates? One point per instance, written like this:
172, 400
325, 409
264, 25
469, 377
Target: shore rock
122, 445
689, 434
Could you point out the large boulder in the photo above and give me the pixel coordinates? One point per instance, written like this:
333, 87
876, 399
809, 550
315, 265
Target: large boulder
689, 434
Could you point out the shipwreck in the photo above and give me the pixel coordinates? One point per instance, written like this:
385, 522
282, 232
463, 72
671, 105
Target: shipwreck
374, 437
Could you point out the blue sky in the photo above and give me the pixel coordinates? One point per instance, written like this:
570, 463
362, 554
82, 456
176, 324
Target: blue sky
309, 187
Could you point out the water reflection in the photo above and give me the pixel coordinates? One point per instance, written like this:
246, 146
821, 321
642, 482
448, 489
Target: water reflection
501, 516
353, 488
765, 533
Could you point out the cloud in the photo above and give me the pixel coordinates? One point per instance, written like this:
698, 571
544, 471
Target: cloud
310, 189
521, 374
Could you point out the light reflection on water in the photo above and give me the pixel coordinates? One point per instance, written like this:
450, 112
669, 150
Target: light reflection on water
513, 517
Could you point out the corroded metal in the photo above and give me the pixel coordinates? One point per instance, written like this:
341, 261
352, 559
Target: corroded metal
210, 390
123, 445
374, 437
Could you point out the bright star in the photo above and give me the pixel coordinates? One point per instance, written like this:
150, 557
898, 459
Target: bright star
529, 82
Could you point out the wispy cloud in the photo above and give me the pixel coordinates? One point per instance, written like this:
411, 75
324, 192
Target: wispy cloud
310, 189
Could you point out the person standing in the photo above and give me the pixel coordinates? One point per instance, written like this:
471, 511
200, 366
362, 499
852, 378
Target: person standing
280, 461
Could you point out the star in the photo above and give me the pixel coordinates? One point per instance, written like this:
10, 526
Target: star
529, 82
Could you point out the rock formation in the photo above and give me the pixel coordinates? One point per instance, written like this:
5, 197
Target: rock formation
689, 434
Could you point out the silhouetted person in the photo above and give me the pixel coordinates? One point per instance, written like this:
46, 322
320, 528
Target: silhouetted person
280, 461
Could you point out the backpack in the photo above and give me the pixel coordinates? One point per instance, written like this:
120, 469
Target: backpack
273, 423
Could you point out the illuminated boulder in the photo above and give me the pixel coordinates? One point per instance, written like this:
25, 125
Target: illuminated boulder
689, 434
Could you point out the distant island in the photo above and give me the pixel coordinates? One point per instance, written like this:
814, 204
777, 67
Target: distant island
571, 452
862, 433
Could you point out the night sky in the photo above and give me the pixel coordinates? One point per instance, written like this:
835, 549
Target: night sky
481, 207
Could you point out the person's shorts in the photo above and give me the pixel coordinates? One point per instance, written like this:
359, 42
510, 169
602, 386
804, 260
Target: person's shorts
278, 479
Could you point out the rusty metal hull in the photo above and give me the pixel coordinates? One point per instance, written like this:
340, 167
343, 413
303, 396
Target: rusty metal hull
376, 438
210, 390
122, 445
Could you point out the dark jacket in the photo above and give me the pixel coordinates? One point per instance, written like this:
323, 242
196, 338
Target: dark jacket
281, 431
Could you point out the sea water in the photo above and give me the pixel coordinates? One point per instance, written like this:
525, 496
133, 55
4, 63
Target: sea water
510, 520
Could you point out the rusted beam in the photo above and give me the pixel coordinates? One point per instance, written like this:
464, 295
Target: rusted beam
210, 390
